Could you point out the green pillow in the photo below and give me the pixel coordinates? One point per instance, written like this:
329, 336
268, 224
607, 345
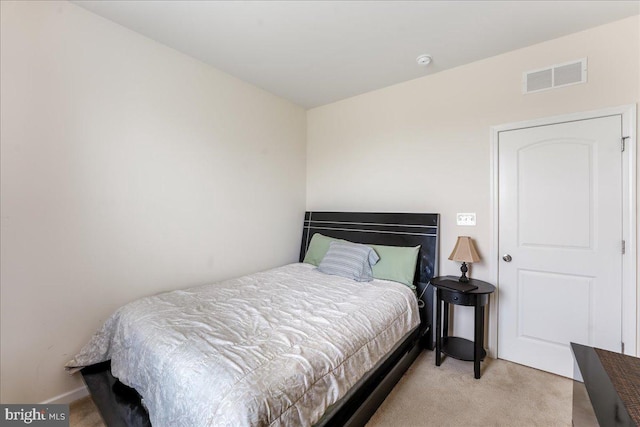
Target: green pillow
397, 263
318, 247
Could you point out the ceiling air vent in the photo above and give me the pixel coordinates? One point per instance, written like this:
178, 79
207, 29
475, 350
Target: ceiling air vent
569, 73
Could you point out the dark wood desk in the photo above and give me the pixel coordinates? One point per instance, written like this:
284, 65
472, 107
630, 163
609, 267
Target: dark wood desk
461, 348
606, 388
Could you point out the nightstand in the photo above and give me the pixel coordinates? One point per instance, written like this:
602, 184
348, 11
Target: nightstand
448, 292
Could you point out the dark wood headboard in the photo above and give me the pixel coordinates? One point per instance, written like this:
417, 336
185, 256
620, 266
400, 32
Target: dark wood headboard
391, 229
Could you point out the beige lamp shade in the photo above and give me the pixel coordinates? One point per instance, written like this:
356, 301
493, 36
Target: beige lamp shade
464, 251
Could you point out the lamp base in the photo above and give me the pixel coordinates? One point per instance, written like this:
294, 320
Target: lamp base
464, 269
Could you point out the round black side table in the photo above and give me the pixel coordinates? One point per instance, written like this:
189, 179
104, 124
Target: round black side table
450, 291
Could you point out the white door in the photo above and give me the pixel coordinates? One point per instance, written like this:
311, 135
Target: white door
560, 221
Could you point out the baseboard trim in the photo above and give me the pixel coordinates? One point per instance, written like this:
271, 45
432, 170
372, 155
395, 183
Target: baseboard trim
68, 397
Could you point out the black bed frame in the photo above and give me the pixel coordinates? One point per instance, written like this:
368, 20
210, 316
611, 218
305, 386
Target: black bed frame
120, 405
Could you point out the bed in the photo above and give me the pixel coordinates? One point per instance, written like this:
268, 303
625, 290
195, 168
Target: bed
274, 373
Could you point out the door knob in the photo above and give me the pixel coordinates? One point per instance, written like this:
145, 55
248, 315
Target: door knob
507, 257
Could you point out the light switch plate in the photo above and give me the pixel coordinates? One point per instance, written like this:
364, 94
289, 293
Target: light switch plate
466, 218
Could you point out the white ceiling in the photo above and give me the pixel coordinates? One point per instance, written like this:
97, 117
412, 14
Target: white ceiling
317, 52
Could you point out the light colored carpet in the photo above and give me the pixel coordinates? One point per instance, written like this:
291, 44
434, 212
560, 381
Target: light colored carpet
83, 413
507, 395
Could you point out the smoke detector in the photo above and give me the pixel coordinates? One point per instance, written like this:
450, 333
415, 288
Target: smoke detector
423, 60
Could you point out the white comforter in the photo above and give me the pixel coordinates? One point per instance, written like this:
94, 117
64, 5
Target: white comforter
272, 348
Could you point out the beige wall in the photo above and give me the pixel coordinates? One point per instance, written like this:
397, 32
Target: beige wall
424, 145
127, 169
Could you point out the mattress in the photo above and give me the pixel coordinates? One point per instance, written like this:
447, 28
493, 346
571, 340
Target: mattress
272, 348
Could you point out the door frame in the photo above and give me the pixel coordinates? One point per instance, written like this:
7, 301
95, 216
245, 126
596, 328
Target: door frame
630, 294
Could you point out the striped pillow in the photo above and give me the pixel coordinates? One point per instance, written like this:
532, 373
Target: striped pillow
350, 260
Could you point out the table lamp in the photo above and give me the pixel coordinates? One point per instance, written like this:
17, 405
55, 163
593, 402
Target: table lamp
465, 252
